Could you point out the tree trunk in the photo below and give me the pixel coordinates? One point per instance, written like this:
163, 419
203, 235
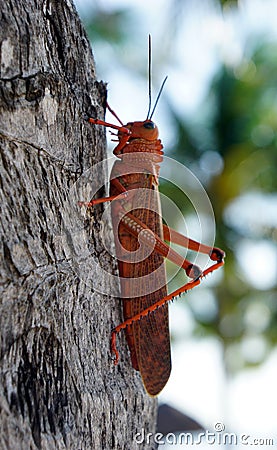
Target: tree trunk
59, 387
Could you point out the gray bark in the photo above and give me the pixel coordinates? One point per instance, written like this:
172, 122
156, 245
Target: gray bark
59, 387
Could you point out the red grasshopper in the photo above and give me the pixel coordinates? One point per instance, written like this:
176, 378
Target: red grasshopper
139, 231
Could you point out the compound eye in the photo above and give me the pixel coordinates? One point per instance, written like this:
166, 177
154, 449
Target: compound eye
149, 125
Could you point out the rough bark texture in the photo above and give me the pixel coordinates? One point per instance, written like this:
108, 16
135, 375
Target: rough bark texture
58, 385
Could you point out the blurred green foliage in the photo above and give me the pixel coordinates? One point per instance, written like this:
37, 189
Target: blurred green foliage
107, 25
238, 133
228, 3
245, 126
242, 126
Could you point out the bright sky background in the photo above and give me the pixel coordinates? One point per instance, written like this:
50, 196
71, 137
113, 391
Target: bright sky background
198, 385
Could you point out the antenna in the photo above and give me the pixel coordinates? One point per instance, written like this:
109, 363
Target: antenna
150, 82
158, 97
149, 74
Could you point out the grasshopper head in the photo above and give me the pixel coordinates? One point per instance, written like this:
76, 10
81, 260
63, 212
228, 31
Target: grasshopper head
147, 130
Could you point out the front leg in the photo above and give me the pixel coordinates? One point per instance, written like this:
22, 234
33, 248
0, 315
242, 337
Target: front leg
123, 194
